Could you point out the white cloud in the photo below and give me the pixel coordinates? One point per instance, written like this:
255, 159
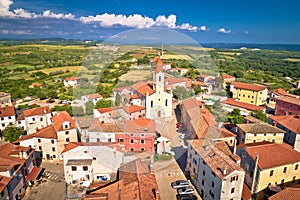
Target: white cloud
105, 20
204, 28
246, 32
223, 30
17, 32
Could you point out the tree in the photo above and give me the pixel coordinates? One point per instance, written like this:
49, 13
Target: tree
181, 93
102, 103
235, 117
89, 106
118, 99
12, 132
258, 114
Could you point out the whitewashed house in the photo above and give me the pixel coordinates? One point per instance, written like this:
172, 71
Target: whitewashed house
37, 118
91, 97
7, 116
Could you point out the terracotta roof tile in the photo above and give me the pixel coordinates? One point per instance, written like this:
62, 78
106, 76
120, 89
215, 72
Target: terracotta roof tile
7, 111
290, 99
72, 78
46, 132
59, 118
227, 76
259, 128
226, 133
136, 181
140, 125
288, 193
291, 122
4, 182
104, 110
97, 126
279, 92
200, 83
272, 154
133, 108
93, 96
247, 86
135, 96
37, 111
246, 194
234, 102
72, 145
173, 80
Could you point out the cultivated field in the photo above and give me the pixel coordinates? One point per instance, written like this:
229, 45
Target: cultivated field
136, 75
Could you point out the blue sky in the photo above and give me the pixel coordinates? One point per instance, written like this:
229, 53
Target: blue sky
243, 21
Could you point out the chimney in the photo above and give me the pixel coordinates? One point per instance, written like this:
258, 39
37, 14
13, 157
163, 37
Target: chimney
157, 195
224, 171
274, 123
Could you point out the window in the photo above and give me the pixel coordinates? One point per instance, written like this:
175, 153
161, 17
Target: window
9, 117
85, 168
166, 103
232, 190
284, 169
33, 119
53, 148
52, 141
296, 167
271, 172
142, 141
67, 139
273, 140
131, 149
274, 134
211, 194
203, 173
74, 168
142, 149
39, 140
94, 158
41, 119
151, 104
294, 179
202, 182
212, 184
159, 78
120, 140
131, 141
67, 132
54, 156
40, 148
234, 178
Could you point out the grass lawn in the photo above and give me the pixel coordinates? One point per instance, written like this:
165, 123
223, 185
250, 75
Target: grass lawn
136, 75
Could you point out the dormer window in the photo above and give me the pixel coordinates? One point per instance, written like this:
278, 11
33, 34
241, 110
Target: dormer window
66, 125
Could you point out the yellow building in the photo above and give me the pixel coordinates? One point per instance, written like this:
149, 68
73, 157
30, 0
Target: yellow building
259, 132
249, 93
269, 164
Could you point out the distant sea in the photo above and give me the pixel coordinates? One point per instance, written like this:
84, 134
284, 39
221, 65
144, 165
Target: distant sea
287, 47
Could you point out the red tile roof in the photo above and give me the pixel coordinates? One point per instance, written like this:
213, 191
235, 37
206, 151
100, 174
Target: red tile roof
247, 86
279, 92
59, 118
37, 111
133, 108
158, 67
93, 96
46, 132
139, 125
288, 193
236, 103
4, 182
72, 78
173, 80
291, 122
246, 194
200, 83
271, 154
135, 96
97, 126
136, 181
142, 87
227, 76
226, 133
7, 111
104, 110
290, 99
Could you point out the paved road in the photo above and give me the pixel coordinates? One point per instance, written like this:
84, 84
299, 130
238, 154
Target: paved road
52, 188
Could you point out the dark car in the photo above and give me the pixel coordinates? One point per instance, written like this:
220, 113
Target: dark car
180, 184
186, 197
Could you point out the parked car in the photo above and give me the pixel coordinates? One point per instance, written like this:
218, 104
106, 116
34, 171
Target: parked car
179, 125
186, 197
182, 136
180, 184
185, 190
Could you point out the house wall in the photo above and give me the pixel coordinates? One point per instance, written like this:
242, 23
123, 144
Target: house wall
134, 141
5, 100
159, 105
252, 97
45, 145
37, 121
79, 174
17, 185
64, 137
5, 121
246, 138
101, 137
283, 108
137, 115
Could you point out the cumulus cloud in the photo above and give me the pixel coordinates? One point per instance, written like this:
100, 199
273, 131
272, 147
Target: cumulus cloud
104, 20
17, 32
223, 30
203, 28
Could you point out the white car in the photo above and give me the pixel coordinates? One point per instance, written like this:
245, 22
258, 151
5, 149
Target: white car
185, 190
182, 136
180, 184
